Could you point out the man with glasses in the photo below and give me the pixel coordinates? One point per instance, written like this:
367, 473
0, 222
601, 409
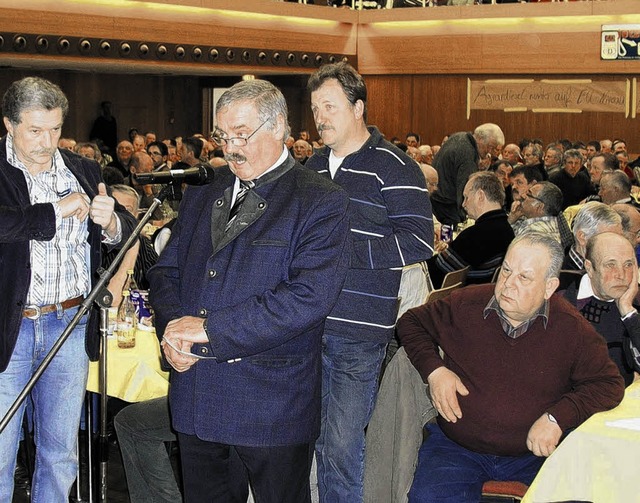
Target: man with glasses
159, 153
539, 210
241, 291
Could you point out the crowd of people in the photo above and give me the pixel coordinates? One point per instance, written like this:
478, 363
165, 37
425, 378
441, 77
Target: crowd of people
277, 293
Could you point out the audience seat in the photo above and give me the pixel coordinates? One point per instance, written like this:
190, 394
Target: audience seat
453, 277
495, 491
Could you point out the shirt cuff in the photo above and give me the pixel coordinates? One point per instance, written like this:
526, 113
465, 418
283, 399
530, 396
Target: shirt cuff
116, 239
631, 313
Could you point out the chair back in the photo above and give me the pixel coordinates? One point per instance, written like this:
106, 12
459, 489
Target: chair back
496, 273
441, 293
453, 277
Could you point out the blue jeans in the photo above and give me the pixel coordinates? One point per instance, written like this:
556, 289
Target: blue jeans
449, 473
350, 371
57, 402
143, 428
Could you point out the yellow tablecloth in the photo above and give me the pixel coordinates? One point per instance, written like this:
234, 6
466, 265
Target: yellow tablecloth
133, 374
598, 462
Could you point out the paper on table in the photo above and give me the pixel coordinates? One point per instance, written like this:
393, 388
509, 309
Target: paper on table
627, 424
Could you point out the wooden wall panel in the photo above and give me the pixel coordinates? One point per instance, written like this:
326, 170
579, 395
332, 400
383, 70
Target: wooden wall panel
438, 105
543, 38
390, 104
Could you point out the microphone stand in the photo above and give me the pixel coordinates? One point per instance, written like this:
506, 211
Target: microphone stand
103, 298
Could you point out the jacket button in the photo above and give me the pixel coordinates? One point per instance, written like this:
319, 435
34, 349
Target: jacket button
204, 351
219, 202
203, 312
261, 206
212, 273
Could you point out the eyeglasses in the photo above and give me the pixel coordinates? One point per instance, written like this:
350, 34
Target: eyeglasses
529, 194
237, 141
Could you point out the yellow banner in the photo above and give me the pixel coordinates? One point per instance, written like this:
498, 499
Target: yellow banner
565, 96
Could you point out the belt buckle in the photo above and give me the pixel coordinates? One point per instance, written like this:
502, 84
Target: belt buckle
36, 309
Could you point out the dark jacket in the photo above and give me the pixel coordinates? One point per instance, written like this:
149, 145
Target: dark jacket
265, 288
455, 162
20, 222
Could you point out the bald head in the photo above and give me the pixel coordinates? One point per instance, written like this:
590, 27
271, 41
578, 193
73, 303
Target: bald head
431, 175
141, 162
611, 266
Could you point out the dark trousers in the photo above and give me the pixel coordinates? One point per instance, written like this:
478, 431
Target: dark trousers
220, 473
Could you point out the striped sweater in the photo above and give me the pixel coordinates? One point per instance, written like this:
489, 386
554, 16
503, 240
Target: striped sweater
391, 227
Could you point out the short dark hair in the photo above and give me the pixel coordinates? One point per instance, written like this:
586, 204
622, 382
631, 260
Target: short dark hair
349, 79
595, 144
32, 93
416, 135
194, 145
161, 146
531, 173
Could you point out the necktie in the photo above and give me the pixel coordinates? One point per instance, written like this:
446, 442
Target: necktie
245, 187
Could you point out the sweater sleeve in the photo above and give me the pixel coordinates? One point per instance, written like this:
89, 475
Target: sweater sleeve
409, 214
419, 334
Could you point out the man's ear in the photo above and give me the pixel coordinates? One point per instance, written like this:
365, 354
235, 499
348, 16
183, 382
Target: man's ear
359, 109
588, 267
550, 287
8, 126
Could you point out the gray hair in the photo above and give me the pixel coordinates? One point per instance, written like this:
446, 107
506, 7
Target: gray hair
619, 180
266, 97
488, 133
129, 191
547, 241
592, 216
573, 153
490, 184
32, 93
551, 197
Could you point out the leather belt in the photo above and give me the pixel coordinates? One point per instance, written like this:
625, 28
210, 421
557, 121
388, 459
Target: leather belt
34, 312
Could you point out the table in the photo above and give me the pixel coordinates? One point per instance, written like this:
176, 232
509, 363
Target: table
133, 374
597, 462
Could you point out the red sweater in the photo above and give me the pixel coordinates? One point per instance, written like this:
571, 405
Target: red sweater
564, 369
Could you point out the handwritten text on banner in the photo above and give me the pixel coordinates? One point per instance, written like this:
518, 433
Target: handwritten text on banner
549, 96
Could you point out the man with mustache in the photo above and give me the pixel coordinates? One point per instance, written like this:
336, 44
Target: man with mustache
254, 265
54, 214
392, 227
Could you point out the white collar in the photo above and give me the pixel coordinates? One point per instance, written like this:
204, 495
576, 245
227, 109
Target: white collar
586, 289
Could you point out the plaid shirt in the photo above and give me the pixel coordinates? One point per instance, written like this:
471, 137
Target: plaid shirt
59, 268
511, 331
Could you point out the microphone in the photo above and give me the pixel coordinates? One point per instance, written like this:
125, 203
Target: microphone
201, 174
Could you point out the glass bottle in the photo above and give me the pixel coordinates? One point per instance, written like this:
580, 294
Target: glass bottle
127, 322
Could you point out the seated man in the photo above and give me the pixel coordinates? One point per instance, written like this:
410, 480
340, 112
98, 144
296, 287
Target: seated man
605, 297
541, 211
520, 367
140, 257
572, 179
521, 179
483, 245
615, 187
593, 218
